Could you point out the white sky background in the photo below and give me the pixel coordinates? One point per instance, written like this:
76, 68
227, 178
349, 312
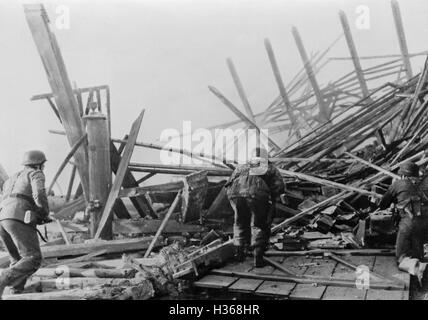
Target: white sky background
161, 55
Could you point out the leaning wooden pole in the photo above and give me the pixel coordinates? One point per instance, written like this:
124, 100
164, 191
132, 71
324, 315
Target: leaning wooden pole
281, 87
53, 63
354, 54
240, 89
164, 223
324, 113
105, 222
401, 38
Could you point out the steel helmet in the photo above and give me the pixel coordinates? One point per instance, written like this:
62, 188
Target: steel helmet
409, 169
33, 157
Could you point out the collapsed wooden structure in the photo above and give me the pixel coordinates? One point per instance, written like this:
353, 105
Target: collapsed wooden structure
345, 141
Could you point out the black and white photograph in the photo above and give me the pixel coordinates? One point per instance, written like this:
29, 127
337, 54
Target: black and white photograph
187, 152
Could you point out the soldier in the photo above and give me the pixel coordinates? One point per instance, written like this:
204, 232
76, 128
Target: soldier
252, 190
409, 194
24, 205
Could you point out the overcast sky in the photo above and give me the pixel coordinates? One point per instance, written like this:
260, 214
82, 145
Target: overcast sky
161, 55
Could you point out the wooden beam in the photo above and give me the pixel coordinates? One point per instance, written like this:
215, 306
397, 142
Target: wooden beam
77, 249
283, 92
140, 203
354, 267
240, 115
66, 160
146, 177
86, 257
70, 183
75, 91
194, 194
401, 38
354, 53
324, 113
53, 63
240, 89
371, 165
105, 221
309, 280
329, 183
164, 222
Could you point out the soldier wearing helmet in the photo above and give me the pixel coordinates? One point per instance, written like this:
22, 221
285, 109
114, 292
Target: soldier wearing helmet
24, 205
252, 190
410, 195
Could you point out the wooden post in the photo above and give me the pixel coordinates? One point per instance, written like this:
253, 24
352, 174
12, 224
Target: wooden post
401, 38
162, 226
240, 89
99, 164
281, 87
66, 160
242, 116
53, 63
70, 184
354, 54
105, 221
324, 113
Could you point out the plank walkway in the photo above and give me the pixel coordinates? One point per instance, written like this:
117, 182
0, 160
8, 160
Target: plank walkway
311, 266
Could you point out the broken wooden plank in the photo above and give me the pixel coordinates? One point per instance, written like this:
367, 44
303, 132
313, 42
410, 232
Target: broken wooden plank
90, 273
140, 203
76, 249
145, 226
105, 221
66, 161
53, 63
128, 289
193, 196
301, 280
86, 257
341, 272
163, 224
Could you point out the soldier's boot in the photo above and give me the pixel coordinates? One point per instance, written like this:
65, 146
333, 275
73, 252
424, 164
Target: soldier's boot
259, 262
16, 291
414, 267
3, 283
240, 254
420, 272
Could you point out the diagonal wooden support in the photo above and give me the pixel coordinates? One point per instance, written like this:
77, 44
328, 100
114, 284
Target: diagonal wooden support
401, 38
242, 116
240, 88
53, 63
164, 222
324, 112
368, 163
354, 54
354, 267
140, 203
66, 160
281, 87
105, 221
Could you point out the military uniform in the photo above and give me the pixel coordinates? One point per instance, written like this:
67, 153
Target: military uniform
252, 198
413, 225
24, 191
